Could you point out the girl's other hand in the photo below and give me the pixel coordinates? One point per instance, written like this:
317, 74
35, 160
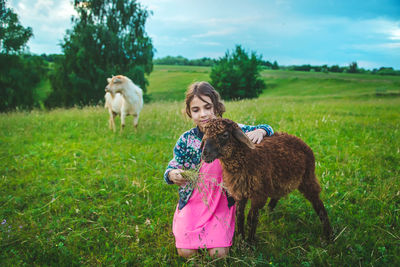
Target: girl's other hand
176, 177
256, 136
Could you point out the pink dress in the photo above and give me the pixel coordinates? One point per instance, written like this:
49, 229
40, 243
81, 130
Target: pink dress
205, 221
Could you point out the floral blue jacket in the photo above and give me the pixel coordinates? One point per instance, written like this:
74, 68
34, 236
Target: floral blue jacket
187, 155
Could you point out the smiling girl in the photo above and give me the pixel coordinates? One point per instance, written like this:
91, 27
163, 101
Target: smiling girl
205, 215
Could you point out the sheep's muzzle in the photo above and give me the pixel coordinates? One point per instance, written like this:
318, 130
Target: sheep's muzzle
210, 151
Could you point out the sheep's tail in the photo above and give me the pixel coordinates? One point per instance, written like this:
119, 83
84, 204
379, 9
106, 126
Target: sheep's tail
310, 181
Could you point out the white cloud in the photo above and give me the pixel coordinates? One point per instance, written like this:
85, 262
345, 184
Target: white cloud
380, 28
211, 43
222, 32
394, 33
48, 19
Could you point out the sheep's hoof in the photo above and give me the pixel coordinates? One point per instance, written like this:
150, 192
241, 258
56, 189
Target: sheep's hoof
329, 237
251, 240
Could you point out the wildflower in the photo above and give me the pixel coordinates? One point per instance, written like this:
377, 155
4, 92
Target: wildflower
4, 222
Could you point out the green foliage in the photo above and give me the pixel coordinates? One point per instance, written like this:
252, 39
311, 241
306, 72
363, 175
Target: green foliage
19, 77
236, 75
73, 193
108, 38
353, 68
386, 71
13, 36
179, 60
20, 73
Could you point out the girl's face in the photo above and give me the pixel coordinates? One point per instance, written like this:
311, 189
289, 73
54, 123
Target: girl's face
201, 111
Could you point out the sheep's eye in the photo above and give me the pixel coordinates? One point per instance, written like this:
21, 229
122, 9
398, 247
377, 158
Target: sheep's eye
225, 135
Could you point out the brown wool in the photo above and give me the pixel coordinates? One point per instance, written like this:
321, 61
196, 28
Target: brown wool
274, 168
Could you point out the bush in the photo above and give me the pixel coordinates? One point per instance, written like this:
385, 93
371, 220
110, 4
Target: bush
236, 75
387, 71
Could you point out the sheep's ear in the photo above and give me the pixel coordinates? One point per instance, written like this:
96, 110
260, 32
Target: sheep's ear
108, 80
242, 137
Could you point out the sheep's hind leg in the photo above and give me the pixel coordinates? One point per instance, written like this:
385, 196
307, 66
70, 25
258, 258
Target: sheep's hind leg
252, 217
241, 205
272, 203
319, 208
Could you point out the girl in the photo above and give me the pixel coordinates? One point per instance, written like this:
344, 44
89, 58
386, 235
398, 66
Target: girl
205, 214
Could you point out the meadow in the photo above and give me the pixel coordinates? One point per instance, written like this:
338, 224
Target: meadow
74, 193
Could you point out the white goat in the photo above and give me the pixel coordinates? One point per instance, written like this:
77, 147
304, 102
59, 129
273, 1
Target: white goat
123, 97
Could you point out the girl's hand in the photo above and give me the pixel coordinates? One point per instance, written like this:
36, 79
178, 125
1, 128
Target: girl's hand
176, 177
256, 136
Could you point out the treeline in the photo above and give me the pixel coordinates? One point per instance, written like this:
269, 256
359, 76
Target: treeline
204, 61
352, 68
182, 61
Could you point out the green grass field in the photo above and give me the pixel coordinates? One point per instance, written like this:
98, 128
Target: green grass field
74, 193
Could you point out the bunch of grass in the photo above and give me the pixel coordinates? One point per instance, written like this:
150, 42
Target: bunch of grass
196, 180
191, 175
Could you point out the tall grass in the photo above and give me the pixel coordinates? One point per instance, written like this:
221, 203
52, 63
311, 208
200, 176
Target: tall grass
75, 193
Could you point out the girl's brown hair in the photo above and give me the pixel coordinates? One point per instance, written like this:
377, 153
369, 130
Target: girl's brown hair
204, 89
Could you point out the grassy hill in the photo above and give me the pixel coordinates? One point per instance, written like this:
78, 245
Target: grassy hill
75, 193
171, 82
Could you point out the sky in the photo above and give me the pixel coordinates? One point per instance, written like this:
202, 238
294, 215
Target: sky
291, 32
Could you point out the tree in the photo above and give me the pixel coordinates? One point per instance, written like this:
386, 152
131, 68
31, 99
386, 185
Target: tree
236, 75
353, 68
275, 66
108, 38
13, 36
335, 68
19, 74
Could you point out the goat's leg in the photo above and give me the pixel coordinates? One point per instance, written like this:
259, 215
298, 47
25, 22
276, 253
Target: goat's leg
135, 120
123, 116
319, 208
241, 204
252, 217
111, 121
272, 203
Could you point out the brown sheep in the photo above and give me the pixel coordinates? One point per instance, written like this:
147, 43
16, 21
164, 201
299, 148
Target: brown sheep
275, 167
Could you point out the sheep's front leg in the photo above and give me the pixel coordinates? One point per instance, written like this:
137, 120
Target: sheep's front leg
272, 203
240, 216
252, 217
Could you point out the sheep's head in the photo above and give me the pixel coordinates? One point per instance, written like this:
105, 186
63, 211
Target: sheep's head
221, 136
116, 84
